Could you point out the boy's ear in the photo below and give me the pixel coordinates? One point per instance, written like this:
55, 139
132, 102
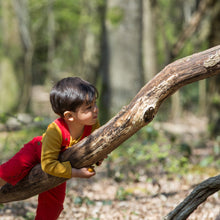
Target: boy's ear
68, 115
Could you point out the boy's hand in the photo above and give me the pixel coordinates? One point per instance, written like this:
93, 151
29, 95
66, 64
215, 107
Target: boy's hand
83, 172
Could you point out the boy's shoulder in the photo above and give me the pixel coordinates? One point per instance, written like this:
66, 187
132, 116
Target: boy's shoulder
58, 125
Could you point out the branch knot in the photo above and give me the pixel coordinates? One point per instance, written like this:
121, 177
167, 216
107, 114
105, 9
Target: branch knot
149, 114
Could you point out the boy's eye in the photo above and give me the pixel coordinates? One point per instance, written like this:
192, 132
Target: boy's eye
89, 107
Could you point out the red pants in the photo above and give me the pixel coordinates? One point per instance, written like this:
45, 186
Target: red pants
50, 203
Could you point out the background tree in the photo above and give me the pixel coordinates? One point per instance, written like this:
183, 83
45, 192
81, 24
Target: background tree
22, 14
213, 87
123, 28
10, 50
149, 39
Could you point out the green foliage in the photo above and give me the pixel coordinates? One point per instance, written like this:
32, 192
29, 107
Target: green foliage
215, 99
177, 165
189, 96
79, 201
170, 23
73, 20
122, 194
168, 35
148, 153
67, 15
115, 15
12, 141
151, 153
9, 86
30, 216
212, 160
216, 147
206, 161
3, 118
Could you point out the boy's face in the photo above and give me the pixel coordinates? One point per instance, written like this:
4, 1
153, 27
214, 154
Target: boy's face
86, 114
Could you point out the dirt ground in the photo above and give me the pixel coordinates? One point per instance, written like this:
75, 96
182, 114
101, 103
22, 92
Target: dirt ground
101, 198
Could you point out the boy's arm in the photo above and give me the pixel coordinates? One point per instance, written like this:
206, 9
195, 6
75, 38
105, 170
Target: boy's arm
51, 146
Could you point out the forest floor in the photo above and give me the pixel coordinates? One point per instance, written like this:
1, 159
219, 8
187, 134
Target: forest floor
101, 198
104, 198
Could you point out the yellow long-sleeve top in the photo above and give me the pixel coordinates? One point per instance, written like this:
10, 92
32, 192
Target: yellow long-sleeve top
51, 148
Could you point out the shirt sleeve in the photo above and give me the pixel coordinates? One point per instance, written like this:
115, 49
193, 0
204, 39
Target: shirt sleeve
51, 146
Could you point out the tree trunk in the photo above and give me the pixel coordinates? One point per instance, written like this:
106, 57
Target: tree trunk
123, 27
9, 78
202, 98
149, 45
128, 121
21, 11
51, 37
176, 108
194, 21
90, 38
190, 27
214, 82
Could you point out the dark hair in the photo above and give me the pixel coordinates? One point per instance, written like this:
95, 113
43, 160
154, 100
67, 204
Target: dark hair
70, 93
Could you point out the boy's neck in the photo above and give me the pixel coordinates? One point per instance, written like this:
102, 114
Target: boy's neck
75, 129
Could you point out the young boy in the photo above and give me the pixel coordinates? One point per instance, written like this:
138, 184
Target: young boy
74, 100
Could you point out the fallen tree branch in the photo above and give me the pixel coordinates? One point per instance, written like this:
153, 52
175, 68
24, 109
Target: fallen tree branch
195, 198
128, 121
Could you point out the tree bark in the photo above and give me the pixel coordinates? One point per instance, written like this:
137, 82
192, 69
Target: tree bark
21, 11
195, 198
124, 39
149, 45
51, 36
128, 121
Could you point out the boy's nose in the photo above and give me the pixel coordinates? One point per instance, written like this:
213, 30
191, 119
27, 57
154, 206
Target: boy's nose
96, 108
